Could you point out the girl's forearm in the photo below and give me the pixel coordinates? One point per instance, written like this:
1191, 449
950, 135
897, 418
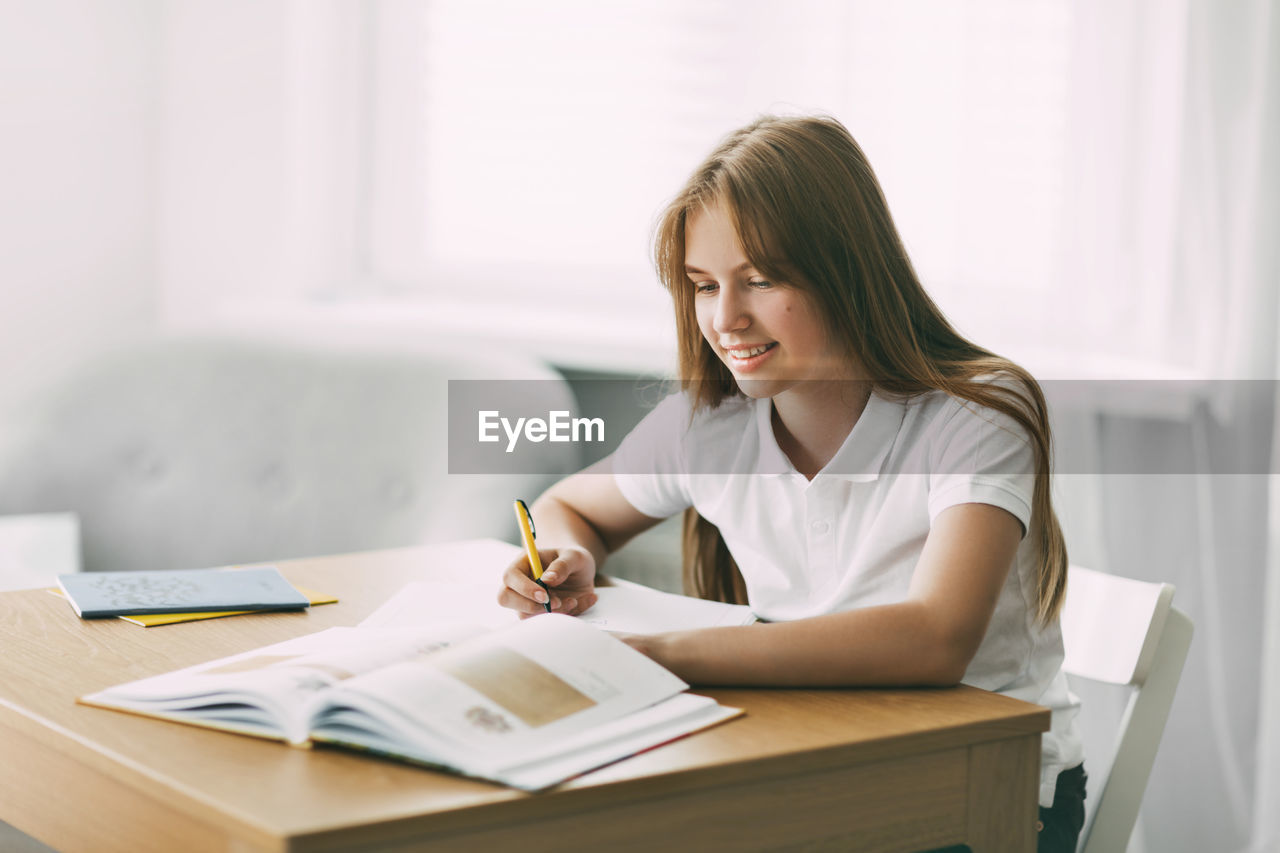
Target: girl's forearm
897, 644
561, 526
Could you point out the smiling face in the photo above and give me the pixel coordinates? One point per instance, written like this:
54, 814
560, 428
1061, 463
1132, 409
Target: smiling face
769, 334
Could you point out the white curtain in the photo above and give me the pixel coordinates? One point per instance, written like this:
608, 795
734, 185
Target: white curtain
1263, 255
1174, 211
1266, 801
1229, 274
1168, 184
1192, 186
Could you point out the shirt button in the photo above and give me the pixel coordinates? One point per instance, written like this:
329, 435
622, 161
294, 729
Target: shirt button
820, 527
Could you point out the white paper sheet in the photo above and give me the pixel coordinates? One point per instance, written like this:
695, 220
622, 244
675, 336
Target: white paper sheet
624, 607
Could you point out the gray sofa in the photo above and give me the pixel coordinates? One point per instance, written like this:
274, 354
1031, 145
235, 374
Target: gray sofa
186, 452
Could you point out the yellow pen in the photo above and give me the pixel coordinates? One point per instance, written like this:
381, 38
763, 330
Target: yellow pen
527, 535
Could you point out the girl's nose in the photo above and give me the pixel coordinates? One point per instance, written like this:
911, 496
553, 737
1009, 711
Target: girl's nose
731, 314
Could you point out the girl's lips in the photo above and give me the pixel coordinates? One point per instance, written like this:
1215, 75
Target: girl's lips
748, 364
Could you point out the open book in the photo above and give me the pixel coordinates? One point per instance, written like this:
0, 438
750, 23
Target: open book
529, 705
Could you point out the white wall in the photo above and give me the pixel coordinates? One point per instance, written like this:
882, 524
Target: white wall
161, 159
78, 115
261, 172
78, 119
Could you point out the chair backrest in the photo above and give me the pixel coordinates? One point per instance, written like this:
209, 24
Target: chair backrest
1127, 633
208, 451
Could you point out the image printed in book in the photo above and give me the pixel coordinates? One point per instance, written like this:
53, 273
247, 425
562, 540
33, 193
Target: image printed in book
531, 692
529, 705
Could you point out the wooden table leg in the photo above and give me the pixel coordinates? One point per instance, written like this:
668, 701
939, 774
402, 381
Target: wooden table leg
1004, 787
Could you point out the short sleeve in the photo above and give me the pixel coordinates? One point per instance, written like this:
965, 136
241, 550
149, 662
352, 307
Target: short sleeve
983, 456
650, 466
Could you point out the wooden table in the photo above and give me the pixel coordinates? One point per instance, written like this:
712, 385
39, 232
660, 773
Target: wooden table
804, 769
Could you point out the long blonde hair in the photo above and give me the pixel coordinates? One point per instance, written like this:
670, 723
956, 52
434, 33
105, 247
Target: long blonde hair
808, 211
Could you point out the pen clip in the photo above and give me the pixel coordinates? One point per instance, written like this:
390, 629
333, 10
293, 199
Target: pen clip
528, 516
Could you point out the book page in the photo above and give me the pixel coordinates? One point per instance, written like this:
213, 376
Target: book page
442, 601
623, 607
268, 691
499, 698
631, 608
658, 724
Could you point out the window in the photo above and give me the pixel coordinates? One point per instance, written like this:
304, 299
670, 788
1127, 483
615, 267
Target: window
522, 151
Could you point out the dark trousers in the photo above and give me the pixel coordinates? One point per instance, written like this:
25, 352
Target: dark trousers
1060, 825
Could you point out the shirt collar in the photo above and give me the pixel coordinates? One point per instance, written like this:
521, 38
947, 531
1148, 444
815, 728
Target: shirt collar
771, 459
862, 455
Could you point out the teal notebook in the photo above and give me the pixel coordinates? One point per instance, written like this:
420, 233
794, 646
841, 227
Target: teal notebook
96, 595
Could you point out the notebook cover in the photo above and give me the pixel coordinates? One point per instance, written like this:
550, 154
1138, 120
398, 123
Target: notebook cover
96, 595
150, 620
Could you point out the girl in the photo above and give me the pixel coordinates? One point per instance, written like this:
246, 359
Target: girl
875, 486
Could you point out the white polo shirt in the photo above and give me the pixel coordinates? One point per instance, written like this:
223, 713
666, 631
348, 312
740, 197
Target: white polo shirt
851, 537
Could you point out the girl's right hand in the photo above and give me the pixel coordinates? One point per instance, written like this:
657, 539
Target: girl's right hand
569, 573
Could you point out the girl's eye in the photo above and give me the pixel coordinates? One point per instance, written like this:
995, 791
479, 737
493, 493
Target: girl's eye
705, 287
761, 284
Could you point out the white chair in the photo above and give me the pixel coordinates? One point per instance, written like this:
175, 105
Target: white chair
189, 452
1124, 632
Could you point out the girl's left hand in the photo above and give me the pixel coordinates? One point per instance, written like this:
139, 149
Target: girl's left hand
643, 643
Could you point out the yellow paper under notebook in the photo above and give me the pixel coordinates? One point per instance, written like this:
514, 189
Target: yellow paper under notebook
149, 620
